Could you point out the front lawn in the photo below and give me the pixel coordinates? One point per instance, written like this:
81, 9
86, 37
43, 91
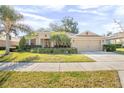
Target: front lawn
2, 52
120, 50
35, 57
101, 79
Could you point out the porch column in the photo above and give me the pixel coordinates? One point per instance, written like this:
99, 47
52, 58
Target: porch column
52, 44
29, 42
37, 41
43, 43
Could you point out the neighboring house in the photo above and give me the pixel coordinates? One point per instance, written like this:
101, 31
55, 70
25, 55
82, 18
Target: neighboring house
13, 42
116, 38
86, 41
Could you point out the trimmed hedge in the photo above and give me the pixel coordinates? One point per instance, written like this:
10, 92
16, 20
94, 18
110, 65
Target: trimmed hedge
55, 50
28, 47
2, 48
33, 46
111, 47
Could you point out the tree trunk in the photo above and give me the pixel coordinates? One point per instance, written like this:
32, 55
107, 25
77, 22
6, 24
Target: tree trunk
7, 44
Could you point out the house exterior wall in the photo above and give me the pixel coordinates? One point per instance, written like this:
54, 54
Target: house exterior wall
87, 43
12, 43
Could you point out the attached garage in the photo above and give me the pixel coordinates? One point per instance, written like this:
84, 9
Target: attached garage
87, 41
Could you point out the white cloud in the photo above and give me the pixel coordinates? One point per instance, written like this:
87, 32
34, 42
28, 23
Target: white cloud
54, 7
75, 10
111, 27
36, 21
95, 12
32, 10
95, 9
36, 17
83, 23
36, 24
87, 11
89, 6
119, 11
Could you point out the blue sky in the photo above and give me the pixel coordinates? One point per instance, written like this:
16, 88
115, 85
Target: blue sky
95, 18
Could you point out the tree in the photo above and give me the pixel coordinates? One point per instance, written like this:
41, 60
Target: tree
69, 25
56, 27
119, 24
60, 39
43, 29
65, 41
31, 35
9, 23
109, 33
22, 43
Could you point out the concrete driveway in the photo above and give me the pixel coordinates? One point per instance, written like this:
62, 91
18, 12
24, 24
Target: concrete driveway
101, 56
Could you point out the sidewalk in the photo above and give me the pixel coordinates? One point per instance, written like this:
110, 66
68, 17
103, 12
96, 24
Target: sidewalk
56, 67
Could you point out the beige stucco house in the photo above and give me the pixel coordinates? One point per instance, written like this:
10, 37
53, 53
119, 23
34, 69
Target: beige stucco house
88, 41
43, 38
116, 38
13, 42
85, 41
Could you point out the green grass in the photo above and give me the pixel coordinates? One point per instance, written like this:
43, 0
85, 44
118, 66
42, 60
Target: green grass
120, 50
35, 57
2, 52
96, 79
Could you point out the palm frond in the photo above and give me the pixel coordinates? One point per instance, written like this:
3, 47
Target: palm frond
10, 13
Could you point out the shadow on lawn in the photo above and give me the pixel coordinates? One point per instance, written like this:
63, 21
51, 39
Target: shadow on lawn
30, 59
7, 58
11, 58
4, 77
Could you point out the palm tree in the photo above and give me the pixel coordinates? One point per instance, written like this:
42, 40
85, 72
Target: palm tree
9, 23
61, 39
56, 40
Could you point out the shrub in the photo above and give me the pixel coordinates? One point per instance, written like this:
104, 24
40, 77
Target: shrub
118, 45
55, 50
13, 49
111, 47
22, 43
33, 46
2, 48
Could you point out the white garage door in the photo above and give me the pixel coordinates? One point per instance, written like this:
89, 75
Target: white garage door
89, 45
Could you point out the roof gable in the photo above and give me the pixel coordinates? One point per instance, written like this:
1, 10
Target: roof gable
88, 33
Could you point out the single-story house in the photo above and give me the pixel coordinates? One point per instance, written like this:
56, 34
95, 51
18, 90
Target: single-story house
85, 41
116, 38
13, 42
